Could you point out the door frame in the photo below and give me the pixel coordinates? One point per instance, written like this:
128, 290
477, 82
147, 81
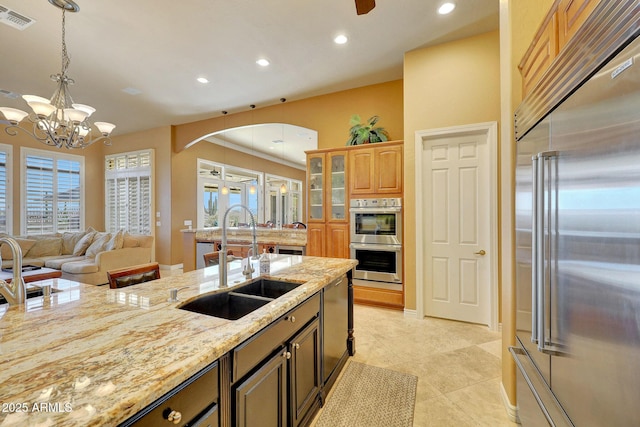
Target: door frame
422, 137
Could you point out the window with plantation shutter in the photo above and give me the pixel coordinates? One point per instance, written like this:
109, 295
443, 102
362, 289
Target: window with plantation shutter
52, 192
5, 189
128, 192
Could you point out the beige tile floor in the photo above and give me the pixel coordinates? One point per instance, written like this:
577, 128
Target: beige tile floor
457, 365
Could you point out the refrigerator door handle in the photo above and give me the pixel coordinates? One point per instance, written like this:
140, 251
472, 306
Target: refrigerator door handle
546, 218
535, 215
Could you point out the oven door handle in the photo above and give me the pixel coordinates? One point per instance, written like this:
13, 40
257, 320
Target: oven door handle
389, 210
374, 247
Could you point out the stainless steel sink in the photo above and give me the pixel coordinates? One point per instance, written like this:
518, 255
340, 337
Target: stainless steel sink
267, 288
32, 292
240, 301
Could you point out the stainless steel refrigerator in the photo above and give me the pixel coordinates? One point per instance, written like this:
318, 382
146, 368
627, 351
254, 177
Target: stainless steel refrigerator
578, 255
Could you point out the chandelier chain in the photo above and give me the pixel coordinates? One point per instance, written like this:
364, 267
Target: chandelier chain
65, 57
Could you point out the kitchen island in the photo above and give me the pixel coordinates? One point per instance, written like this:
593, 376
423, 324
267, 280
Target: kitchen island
90, 355
239, 239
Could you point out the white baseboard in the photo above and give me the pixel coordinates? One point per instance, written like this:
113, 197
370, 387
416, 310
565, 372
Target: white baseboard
512, 411
412, 314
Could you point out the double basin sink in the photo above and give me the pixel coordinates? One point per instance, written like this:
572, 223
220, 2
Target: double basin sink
241, 300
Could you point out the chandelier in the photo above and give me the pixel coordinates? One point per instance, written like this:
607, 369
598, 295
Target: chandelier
59, 122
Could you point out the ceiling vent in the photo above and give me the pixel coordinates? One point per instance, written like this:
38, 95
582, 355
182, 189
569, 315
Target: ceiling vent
14, 19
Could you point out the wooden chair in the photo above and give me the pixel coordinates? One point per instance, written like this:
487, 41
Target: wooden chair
213, 258
124, 277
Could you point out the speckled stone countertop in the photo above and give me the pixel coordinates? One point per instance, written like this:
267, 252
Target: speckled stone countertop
90, 356
282, 236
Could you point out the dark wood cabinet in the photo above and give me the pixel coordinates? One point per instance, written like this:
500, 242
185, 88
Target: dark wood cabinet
276, 374
304, 381
261, 399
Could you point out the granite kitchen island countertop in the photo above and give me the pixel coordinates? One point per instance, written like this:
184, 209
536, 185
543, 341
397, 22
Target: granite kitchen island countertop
89, 355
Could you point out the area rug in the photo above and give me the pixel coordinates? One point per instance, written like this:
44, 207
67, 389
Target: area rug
369, 396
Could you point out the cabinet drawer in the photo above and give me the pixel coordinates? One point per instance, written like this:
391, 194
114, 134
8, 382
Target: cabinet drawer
190, 399
247, 355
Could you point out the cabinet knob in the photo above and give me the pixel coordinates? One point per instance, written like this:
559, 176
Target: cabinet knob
292, 319
174, 417
296, 346
286, 355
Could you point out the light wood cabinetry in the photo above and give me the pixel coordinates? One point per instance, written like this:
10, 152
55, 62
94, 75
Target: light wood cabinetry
540, 54
571, 16
561, 23
328, 200
376, 170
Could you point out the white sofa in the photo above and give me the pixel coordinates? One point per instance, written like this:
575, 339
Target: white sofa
83, 256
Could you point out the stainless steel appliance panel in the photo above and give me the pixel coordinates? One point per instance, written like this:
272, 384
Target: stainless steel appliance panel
580, 273
376, 221
381, 263
534, 142
596, 371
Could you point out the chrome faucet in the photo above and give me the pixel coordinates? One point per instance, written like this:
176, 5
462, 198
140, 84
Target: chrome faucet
14, 292
222, 268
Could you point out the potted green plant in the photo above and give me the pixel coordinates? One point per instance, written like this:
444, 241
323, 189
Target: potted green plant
366, 133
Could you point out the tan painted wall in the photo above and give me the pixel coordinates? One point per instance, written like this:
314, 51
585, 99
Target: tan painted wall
451, 84
520, 20
327, 114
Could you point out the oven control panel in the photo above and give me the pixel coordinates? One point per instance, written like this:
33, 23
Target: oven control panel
393, 202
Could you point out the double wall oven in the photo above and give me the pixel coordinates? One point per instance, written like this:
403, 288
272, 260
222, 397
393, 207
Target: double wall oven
376, 242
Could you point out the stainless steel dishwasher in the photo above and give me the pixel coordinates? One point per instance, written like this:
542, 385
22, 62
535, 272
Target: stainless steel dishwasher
335, 326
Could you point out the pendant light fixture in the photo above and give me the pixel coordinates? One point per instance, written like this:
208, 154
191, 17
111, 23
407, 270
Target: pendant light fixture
252, 188
224, 190
59, 122
283, 187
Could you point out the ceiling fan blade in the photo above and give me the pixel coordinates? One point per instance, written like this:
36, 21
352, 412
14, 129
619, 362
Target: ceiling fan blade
364, 6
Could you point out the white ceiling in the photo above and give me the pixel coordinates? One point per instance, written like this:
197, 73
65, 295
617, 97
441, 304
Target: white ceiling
159, 48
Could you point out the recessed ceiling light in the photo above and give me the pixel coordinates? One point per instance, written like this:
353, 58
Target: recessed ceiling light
262, 62
341, 39
446, 8
203, 80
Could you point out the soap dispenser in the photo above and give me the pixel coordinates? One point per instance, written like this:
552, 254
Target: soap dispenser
265, 263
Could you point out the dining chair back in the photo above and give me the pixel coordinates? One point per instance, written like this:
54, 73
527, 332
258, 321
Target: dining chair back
133, 275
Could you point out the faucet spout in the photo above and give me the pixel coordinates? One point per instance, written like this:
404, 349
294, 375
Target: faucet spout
14, 292
222, 267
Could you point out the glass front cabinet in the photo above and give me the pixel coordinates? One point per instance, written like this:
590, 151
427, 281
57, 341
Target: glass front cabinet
328, 200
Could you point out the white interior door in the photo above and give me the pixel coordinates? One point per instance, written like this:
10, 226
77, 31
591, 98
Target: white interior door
457, 226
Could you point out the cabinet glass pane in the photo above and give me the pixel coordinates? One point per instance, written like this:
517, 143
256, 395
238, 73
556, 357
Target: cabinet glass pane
315, 166
338, 208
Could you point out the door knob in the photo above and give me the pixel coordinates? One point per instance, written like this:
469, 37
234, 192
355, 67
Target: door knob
480, 252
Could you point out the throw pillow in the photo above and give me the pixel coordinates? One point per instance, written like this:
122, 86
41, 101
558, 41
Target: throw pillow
98, 245
69, 241
45, 246
130, 241
116, 241
25, 245
82, 245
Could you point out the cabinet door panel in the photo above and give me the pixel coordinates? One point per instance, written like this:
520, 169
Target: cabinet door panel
540, 55
305, 371
315, 239
388, 170
571, 16
361, 171
261, 400
337, 241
